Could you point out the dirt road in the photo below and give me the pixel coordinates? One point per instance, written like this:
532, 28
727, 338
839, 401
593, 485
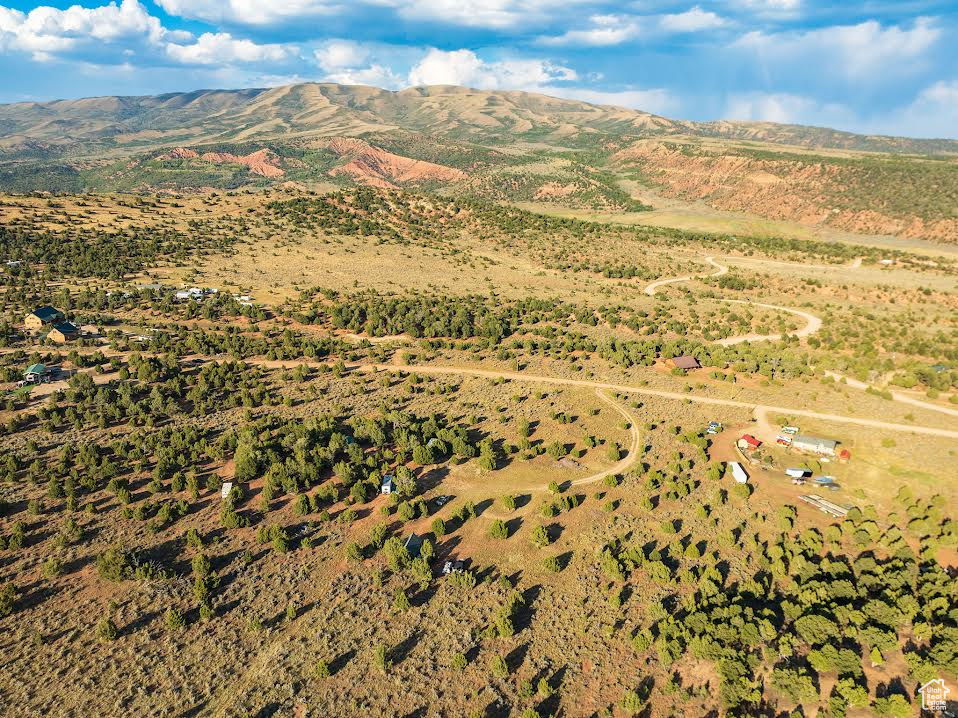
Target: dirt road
626, 463
678, 396
650, 289
559, 381
812, 325
854, 264
895, 395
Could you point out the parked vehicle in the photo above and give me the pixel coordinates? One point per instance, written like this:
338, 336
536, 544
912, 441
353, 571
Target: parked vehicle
452, 566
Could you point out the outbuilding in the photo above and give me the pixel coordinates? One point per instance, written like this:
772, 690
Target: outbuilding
387, 486
747, 442
686, 362
797, 473
414, 545
36, 374
738, 472
63, 332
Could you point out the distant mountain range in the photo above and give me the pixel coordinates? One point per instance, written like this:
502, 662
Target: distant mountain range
94, 127
491, 145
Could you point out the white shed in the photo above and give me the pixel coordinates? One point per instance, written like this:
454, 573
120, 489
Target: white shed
738, 472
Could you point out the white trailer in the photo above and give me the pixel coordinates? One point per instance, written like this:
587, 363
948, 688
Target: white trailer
738, 472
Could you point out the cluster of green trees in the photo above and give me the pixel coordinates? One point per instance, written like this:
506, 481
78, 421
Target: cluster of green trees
391, 216
77, 251
807, 609
149, 391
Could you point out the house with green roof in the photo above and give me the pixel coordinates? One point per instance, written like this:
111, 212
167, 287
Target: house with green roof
42, 317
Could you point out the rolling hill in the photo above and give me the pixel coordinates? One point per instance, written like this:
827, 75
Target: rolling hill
92, 126
497, 145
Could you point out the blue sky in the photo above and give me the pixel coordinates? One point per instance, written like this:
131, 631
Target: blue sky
875, 67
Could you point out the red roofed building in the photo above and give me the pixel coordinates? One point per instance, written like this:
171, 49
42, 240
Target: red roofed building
748, 443
844, 455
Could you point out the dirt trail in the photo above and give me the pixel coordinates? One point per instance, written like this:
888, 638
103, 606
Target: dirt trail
813, 324
854, 264
623, 388
895, 395
626, 463
678, 396
721, 269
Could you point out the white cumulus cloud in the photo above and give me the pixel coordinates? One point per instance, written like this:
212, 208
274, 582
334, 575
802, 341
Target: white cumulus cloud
496, 14
251, 12
856, 51
786, 108
340, 54
221, 48
694, 20
47, 31
933, 113
464, 67
603, 30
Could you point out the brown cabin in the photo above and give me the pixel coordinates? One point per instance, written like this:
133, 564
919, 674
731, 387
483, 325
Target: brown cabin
686, 362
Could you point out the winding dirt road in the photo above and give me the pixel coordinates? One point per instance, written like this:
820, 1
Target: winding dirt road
626, 463
597, 386
812, 323
721, 269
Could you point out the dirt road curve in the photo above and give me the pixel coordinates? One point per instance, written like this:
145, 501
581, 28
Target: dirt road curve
625, 464
557, 381
650, 289
813, 324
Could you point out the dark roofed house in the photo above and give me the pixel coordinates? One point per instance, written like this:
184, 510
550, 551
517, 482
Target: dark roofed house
42, 316
36, 373
414, 545
686, 362
63, 332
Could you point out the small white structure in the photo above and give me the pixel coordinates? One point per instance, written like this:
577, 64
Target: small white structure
192, 294
790, 430
225, 491
387, 485
738, 472
797, 473
814, 445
